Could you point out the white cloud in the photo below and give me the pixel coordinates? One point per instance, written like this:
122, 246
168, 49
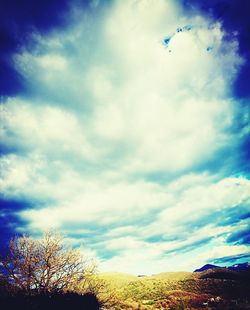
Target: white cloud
139, 94
199, 201
108, 204
45, 129
52, 62
105, 204
142, 258
109, 106
178, 219
216, 250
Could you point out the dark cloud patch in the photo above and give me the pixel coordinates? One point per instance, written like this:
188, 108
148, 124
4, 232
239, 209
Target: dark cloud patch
241, 85
161, 238
190, 226
17, 20
190, 247
11, 81
234, 17
87, 236
245, 216
230, 216
225, 217
10, 149
241, 151
245, 154
7, 205
232, 259
227, 161
9, 221
240, 237
107, 254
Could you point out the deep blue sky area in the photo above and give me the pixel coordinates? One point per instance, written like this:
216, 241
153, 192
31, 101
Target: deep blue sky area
18, 19
234, 16
126, 127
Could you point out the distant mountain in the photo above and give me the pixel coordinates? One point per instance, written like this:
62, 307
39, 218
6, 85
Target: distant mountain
236, 267
206, 267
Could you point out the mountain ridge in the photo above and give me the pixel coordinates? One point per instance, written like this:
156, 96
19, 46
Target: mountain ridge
237, 267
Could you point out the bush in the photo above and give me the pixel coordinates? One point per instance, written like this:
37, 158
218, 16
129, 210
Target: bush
50, 302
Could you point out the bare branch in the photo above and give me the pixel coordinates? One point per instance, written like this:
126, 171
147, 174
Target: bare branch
42, 264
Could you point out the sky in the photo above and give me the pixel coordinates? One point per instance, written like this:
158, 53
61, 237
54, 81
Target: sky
125, 126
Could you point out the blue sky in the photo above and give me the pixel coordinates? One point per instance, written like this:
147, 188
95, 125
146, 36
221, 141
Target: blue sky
126, 127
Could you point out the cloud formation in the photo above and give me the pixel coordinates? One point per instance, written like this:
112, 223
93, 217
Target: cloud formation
130, 146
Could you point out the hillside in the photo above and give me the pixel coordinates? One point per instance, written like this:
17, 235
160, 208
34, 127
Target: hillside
214, 288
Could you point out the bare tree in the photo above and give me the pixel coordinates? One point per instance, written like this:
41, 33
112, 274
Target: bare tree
93, 283
43, 265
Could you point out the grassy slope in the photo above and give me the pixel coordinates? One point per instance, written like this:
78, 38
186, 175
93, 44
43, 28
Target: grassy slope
120, 277
144, 290
181, 275
123, 281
